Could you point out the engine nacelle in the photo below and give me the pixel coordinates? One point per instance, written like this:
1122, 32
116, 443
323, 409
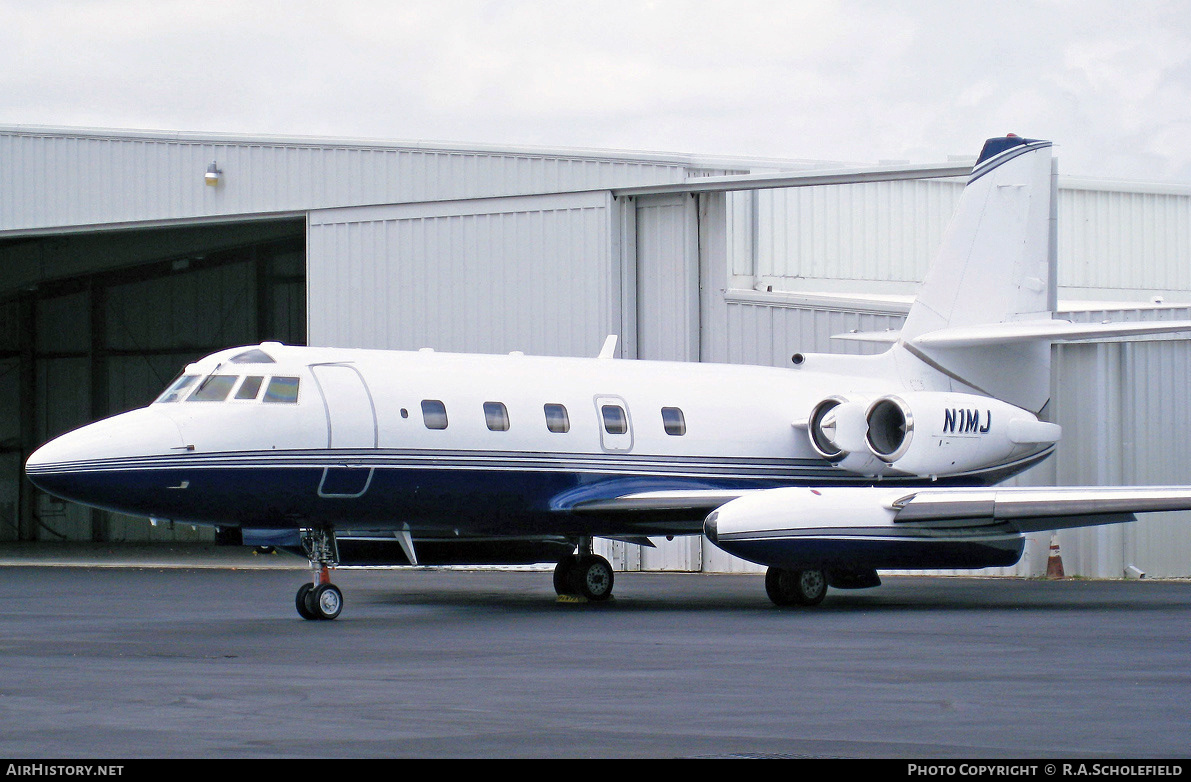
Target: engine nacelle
941, 433
923, 433
837, 429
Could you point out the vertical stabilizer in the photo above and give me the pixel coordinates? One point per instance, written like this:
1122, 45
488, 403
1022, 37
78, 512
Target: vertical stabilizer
995, 265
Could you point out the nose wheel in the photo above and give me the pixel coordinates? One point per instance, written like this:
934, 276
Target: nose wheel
320, 599
323, 601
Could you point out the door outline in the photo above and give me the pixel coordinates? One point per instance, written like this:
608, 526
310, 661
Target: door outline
339, 473
614, 443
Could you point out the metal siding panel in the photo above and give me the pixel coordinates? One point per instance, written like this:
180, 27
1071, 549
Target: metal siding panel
1125, 241
667, 279
492, 276
64, 180
885, 231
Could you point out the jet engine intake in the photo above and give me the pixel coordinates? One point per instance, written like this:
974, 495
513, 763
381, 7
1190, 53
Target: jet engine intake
836, 427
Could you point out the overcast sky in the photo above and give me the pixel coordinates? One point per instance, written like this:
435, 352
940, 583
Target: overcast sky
855, 81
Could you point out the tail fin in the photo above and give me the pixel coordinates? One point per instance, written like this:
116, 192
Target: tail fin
996, 261
984, 314
996, 266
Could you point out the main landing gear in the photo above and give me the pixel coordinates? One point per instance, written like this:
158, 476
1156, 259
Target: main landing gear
795, 587
584, 574
319, 599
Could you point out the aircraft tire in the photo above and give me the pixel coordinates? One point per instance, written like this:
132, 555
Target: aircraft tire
777, 586
300, 602
592, 577
811, 587
562, 576
325, 601
795, 587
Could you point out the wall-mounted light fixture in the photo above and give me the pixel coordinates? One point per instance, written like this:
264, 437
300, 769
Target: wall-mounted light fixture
213, 175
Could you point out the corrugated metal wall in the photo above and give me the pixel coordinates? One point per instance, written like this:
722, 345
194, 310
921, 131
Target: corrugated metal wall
539, 274
1115, 240
59, 178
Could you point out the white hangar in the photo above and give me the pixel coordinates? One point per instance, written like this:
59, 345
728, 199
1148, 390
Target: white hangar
127, 254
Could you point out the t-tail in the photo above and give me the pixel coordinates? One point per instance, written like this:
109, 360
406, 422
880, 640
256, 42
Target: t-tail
984, 316
973, 357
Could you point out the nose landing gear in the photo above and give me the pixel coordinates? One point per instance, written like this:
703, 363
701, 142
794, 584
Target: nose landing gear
319, 599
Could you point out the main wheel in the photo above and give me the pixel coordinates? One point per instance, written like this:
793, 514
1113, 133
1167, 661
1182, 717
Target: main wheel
592, 577
300, 602
810, 587
795, 587
562, 576
778, 586
325, 601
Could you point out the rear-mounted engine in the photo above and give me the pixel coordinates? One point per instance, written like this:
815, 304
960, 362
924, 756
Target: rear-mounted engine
924, 433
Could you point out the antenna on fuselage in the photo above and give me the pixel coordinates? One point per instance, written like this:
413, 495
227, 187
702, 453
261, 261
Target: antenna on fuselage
609, 349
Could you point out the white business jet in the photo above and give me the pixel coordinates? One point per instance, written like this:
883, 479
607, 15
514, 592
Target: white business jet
827, 471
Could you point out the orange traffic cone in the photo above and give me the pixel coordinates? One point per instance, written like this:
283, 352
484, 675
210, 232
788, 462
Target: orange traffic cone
1054, 563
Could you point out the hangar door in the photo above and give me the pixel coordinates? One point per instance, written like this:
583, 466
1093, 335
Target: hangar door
540, 274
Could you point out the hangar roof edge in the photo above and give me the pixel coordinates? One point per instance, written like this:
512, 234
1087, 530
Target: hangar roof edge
691, 160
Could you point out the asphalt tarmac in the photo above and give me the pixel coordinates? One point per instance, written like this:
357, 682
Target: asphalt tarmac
148, 653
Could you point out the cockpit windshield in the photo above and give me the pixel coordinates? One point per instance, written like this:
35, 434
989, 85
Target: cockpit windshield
216, 388
176, 391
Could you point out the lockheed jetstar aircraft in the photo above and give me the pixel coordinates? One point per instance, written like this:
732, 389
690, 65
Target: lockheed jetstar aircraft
826, 471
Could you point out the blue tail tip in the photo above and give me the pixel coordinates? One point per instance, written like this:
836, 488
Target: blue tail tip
995, 146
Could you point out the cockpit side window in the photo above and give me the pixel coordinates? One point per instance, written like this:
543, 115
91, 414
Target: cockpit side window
214, 389
282, 390
175, 391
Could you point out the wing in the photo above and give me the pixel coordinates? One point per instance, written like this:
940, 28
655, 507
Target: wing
705, 500
1030, 509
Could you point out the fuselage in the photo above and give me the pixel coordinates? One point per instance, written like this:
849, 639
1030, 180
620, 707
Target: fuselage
278, 437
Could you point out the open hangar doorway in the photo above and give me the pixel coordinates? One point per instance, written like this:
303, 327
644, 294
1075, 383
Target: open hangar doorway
94, 323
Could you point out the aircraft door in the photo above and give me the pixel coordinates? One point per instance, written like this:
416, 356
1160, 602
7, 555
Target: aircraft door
616, 426
351, 424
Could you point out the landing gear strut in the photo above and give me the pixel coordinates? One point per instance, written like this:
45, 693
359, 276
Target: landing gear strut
319, 599
584, 574
795, 587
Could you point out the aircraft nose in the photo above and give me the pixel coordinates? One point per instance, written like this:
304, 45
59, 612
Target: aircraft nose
143, 432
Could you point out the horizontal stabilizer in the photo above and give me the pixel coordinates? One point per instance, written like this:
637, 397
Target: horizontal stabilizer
886, 337
1042, 330
1036, 509
1021, 331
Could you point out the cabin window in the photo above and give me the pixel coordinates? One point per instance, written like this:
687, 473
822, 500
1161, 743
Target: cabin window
496, 415
557, 419
214, 389
434, 413
174, 392
254, 356
674, 421
282, 390
615, 420
250, 387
